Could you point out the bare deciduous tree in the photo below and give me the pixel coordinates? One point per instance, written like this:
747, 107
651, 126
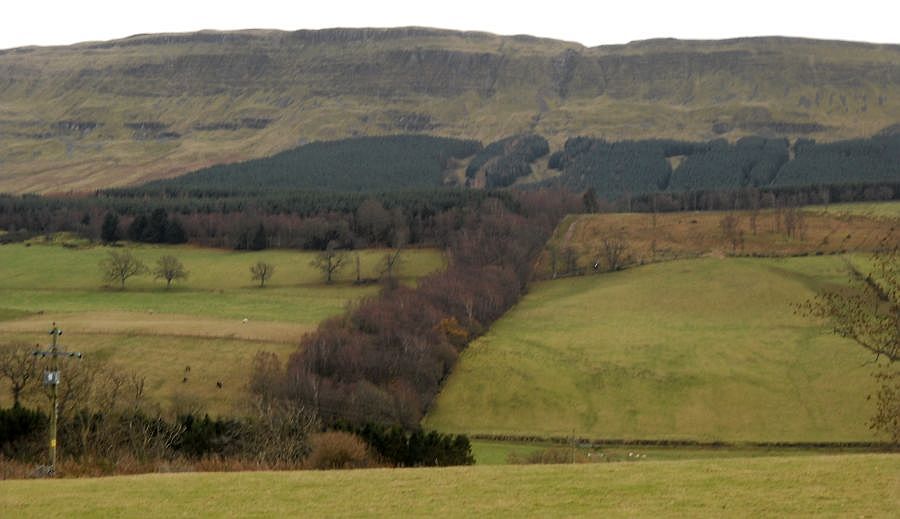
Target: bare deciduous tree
18, 366
119, 266
570, 260
262, 272
794, 222
169, 268
390, 266
731, 231
613, 253
330, 261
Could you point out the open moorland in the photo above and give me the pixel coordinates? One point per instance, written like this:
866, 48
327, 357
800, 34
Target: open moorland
649, 238
821, 486
213, 322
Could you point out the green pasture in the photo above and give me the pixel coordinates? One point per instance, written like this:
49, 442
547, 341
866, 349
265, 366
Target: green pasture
821, 486
214, 322
704, 350
55, 279
890, 209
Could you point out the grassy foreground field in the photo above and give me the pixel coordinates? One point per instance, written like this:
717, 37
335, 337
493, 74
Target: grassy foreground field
198, 323
707, 350
824, 486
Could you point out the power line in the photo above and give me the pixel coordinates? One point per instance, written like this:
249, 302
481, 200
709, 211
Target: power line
51, 378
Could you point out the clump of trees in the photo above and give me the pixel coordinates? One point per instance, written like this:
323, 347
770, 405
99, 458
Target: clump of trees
156, 228
506, 160
120, 266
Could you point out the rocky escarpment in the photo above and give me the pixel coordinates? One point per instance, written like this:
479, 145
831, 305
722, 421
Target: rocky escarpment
112, 113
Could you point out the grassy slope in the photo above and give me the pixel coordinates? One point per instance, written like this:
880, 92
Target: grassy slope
704, 349
464, 84
199, 323
666, 236
823, 486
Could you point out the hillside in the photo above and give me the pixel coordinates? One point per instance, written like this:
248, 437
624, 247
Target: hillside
117, 113
215, 320
705, 349
579, 242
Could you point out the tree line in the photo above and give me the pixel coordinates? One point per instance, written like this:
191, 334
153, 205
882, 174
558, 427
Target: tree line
385, 360
351, 220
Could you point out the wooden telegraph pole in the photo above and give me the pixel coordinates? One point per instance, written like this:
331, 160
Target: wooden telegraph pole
51, 378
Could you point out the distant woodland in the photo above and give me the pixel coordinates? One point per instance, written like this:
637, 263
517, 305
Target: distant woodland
399, 190
641, 167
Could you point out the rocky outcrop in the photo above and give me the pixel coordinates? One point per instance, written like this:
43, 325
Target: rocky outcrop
291, 87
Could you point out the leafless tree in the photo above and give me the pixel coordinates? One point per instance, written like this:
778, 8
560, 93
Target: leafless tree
570, 260
18, 366
794, 222
119, 266
330, 261
278, 431
169, 268
613, 253
262, 272
390, 266
731, 232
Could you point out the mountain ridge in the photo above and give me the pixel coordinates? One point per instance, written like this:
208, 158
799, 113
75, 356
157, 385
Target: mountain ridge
115, 113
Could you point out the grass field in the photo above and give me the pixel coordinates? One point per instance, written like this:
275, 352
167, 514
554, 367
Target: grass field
874, 209
198, 323
707, 349
821, 486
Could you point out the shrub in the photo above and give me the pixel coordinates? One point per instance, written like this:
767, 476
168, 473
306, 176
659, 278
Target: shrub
338, 450
21, 431
548, 456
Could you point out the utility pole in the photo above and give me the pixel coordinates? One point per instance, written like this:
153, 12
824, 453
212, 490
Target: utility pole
51, 378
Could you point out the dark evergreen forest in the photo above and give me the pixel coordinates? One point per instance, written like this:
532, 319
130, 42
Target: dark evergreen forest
359, 164
614, 169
